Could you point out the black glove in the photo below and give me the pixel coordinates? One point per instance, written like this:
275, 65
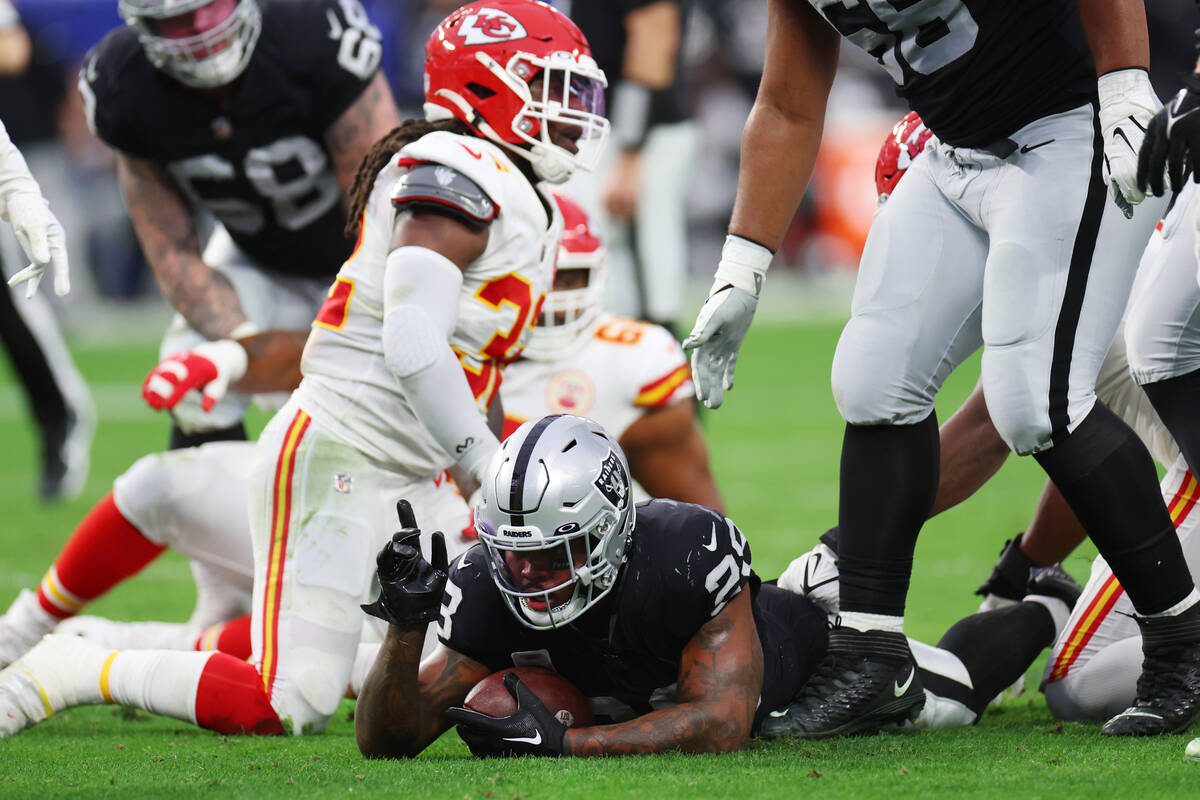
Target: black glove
410, 588
531, 731
1172, 143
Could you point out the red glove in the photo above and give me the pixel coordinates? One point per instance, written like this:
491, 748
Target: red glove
208, 368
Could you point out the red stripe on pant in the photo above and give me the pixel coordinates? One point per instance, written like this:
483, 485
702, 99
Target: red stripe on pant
230, 699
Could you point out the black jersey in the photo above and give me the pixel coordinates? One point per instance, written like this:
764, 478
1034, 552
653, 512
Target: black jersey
975, 70
257, 160
684, 564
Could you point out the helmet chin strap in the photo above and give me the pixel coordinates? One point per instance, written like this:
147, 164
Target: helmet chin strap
549, 164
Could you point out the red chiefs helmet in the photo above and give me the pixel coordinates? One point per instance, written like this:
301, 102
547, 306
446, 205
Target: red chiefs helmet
568, 312
902, 145
511, 68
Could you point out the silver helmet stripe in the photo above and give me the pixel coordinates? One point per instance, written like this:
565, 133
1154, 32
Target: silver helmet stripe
516, 492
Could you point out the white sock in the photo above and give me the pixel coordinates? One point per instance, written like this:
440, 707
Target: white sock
27, 618
1180, 607
861, 621
160, 681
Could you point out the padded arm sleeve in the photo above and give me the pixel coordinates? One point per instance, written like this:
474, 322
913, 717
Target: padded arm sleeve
420, 309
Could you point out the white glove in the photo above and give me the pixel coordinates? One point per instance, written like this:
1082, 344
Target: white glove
39, 232
209, 367
43, 240
1127, 104
725, 317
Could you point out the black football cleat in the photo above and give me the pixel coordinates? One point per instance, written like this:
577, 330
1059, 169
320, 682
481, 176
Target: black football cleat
1054, 581
1168, 690
1010, 574
866, 681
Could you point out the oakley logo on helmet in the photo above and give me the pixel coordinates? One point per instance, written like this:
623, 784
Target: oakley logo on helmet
565, 528
489, 25
613, 483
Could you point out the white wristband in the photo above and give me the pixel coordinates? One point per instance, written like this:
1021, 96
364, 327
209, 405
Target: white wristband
1130, 84
743, 264
244, 331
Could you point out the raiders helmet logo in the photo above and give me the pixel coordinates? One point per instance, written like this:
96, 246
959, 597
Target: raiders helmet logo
490, 25
613, 483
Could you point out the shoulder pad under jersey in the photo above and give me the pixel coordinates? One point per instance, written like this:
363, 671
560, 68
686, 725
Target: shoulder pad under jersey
478, 159
445, 188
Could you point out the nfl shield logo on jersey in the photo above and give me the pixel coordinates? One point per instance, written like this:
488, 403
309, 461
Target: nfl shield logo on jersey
342, 483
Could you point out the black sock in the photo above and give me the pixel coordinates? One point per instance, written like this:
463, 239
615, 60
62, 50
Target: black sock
889, 479
996, 647
1108, 478
1176, 401
180, 440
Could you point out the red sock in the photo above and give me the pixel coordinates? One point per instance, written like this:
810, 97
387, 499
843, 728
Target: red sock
230, 699
104, 550
232, 637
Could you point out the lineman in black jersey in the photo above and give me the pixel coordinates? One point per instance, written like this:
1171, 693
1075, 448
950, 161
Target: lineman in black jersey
1005, 240
654, 612
253, 114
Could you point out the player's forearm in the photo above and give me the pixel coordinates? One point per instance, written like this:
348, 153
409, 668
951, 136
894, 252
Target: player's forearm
272, 361
164, 227
687, 728
653, 36
778, 154
1116, 33
391, 720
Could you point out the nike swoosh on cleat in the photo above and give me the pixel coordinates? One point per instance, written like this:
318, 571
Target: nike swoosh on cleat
778, 714
1149, 714
901, 689
1027, 148
535, 739
712, 543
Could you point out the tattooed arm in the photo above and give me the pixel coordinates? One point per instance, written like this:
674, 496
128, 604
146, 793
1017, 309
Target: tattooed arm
162, 220
367, 120
720, 679
401, 711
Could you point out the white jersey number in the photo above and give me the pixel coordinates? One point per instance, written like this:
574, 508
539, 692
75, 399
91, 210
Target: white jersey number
905, 36
359, 45
293, 174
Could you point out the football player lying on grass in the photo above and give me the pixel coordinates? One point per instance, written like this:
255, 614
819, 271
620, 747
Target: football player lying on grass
662, 624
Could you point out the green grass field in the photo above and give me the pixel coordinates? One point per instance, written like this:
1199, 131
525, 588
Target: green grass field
775, 448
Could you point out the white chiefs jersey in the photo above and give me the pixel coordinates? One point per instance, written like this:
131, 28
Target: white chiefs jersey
348, 388
622, 369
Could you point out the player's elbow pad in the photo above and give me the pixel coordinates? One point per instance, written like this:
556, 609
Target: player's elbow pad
411, 341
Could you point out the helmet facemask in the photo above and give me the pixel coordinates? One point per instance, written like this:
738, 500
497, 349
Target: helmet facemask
575, 569
204, 60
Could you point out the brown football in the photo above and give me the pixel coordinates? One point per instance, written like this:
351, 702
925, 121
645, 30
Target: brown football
566, 702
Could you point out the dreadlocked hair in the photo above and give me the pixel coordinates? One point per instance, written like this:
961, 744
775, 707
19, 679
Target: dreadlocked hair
378, 156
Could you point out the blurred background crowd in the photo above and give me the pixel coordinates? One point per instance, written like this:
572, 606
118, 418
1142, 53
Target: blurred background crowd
721, 60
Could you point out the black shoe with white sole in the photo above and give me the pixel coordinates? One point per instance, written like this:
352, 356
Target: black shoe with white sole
868, 680
1168, 691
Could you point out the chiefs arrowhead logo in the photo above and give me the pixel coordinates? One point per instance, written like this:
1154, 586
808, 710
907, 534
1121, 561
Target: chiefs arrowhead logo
490, 25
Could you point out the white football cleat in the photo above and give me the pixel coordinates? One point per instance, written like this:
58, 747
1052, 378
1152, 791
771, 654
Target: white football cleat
22, 626
814, 575
59, 672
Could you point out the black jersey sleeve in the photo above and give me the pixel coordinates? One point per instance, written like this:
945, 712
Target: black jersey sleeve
112, 78
701, 558
474, 619
339, 47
